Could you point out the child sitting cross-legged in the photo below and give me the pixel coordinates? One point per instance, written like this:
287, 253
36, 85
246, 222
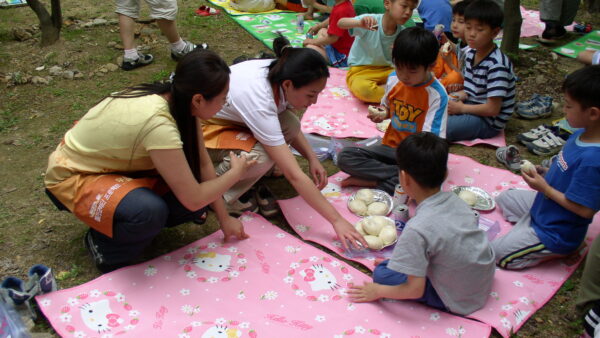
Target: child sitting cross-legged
414, 100
552, 222
370, 57
442, 258
488, 99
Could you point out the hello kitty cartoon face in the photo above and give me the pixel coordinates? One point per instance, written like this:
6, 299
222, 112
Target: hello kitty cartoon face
331, 190
221, 331
319, 278
212, 261
98, 316
322, 123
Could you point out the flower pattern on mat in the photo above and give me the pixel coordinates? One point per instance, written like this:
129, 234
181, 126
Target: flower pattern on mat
312, 279
220, 327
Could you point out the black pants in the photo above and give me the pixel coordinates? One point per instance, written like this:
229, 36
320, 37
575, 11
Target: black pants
376, 163
139, 217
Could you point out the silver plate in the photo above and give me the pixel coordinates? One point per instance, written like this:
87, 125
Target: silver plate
485, 202
378, 196
392, 223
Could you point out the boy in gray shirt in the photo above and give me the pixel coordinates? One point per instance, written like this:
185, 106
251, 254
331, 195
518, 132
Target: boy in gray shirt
442, 258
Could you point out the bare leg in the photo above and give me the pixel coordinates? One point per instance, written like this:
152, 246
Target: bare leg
355, 181
169, 29
126, 27
586, 57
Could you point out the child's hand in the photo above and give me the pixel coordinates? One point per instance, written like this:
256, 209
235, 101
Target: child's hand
455, 87
314, 30
535, 181
455, 107
308, 41
240, 163
369, 22
365, 293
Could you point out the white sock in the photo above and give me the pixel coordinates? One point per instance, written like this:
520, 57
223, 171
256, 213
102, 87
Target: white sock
131, 54
178, 46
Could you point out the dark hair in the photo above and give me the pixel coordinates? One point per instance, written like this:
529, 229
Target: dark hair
415, 46
459, 7
485, 11
424, 156
300, 65
198, 72
583, 86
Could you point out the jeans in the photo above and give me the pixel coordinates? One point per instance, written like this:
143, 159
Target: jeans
386, 276
138, 218
468, 127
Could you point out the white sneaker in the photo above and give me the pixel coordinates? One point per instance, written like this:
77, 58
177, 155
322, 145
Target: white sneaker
188, 48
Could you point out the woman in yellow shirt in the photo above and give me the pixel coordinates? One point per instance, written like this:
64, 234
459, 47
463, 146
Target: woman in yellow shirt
136, 163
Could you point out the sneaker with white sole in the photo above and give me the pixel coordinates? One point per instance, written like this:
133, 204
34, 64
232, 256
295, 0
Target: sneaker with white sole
267, 203
510, 157
536, 108
188, 48
549, 144
142, 60
535, 134
244, 203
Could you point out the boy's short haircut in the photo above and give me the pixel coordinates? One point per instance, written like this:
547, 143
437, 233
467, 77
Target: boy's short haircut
485, 11
424, 156
415, 46
459, 7
583, 86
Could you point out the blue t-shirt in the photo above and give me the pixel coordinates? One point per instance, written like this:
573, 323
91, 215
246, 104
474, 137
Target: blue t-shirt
372, 48
435, 12
576, 173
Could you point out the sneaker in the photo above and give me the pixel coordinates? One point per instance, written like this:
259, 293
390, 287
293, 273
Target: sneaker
188, 48
245, 203
41, 280
266, 201
591, 319
535, 133
142, 60
97, 257
510, 157
536, 108
547, 145
552, 33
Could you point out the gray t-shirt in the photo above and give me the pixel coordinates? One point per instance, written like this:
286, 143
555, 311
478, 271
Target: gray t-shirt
443, 243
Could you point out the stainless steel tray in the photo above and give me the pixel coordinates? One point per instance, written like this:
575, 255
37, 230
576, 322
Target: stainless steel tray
485, 202
378, 196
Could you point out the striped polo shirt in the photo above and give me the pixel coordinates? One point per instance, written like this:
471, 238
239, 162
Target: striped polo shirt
492, 77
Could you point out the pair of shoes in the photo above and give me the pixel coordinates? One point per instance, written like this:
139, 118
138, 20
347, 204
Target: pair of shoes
98, 257
510, 157
188, 48
207, 11
548, 144
142, 60
582, 28
244, 203
18, 294
536, 133
538, 106
267, 203
553, 32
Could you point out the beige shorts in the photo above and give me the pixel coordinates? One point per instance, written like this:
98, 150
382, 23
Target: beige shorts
159, 9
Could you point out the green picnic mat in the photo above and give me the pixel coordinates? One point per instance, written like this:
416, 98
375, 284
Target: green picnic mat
265, 27
589, 41
523, 46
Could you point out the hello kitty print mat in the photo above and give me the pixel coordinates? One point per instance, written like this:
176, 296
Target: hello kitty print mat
515, 296
271, 285
339, 114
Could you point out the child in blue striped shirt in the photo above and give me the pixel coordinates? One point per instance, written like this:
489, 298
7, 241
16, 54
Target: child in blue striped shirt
486, 104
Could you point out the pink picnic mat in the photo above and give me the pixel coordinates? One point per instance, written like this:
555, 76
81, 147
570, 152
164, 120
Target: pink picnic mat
516, 295
271, 285
532, 25
339, 114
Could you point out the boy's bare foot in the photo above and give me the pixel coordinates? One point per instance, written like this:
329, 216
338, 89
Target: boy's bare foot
355, 181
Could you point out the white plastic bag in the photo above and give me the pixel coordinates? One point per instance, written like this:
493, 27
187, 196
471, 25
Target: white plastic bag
252, 6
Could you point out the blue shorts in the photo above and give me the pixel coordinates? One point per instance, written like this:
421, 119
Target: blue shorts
386, 276
336, 59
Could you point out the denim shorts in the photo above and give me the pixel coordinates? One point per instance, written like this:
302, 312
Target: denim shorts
336, 59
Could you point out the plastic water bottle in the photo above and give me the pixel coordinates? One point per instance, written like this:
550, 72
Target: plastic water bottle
11, 324
300, 24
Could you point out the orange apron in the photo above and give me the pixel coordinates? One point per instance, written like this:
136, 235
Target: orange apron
93, 198
224, 134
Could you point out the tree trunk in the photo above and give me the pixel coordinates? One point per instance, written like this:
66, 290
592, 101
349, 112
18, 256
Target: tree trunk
50, 25
593, 6
512, 28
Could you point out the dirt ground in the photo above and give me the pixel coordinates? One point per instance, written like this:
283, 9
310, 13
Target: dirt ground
33, 118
